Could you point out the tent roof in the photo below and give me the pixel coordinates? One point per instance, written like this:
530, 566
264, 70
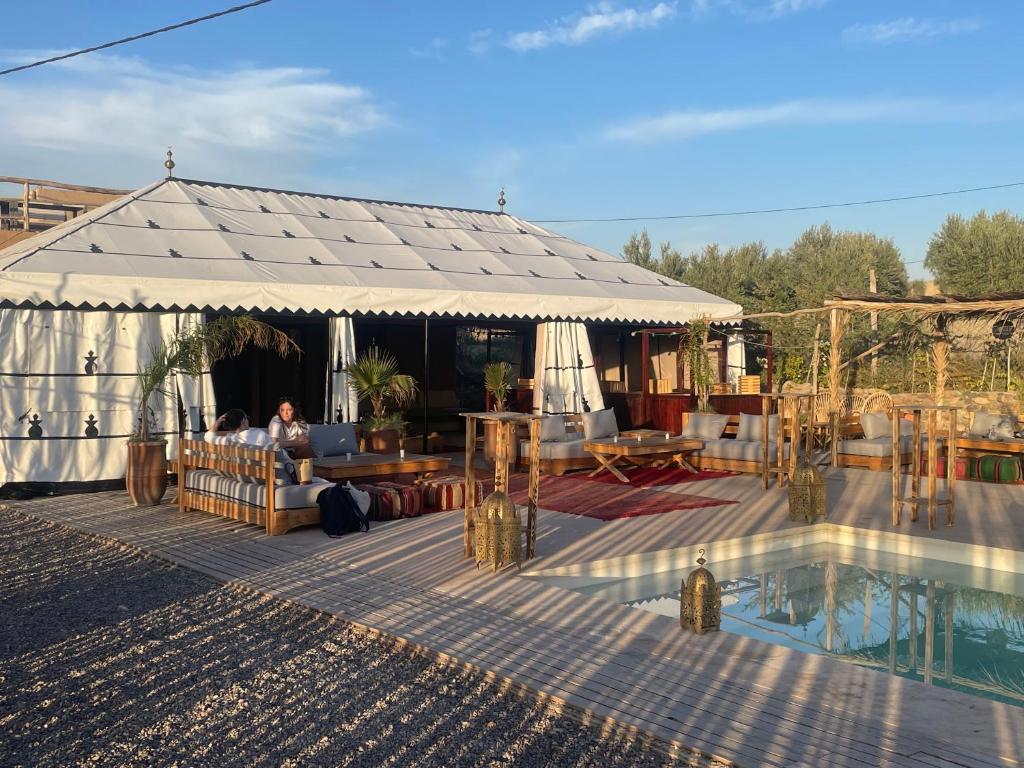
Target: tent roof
184, 244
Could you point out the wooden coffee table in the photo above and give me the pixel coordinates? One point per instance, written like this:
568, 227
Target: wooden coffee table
647, 450
378, 465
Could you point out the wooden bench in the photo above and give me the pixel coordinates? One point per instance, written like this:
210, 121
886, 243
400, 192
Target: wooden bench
848, 428
259, 465
560, 466
776, 458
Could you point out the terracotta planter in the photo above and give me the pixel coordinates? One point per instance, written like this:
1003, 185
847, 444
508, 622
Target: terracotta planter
491, 442
382, 441
146, 478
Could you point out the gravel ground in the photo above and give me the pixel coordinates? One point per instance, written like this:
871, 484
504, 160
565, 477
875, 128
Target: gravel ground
110, 657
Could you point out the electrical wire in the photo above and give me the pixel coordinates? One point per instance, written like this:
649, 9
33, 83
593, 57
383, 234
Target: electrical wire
818, 207
123, 40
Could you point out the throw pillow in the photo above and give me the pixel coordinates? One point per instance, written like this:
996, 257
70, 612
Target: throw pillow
875, 425
751, 425
992, 426
552, 429
598, 424
706, 426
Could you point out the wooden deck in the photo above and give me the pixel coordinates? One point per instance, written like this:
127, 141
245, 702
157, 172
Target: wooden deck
732, 697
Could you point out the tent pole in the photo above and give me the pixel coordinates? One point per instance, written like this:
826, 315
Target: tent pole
426, 382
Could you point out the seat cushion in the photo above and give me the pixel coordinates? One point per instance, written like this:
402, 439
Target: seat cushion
751, 425
739, 450
552, 429
333, 439
598, 424
566, 449
214, 483
879, 446
706, 426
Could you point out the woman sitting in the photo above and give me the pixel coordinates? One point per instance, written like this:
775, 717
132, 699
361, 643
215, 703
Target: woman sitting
290, 431
236, 423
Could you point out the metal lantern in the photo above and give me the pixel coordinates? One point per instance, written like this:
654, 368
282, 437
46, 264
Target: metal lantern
700, 606
499, 538
806, 493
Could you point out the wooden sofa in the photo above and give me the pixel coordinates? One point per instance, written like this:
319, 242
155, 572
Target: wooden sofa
557, 458
853, 450
747, 458
232, 481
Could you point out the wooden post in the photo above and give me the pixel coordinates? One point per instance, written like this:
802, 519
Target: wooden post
471, 499
873, 288
531, 514
834, 358
770, 354
24, 208
815, 358
933, 453
645, 375
766, 407
780, 445
951, 464
897, 505
940, 356
915, 470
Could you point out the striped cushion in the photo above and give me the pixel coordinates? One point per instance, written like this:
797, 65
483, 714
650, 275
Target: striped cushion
390, 501
999, 469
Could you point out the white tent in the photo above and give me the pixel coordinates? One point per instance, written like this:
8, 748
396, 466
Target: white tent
81, 303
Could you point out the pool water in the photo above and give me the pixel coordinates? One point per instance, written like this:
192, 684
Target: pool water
946, 624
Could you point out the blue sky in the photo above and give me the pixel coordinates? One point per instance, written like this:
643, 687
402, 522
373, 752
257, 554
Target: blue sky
580, 110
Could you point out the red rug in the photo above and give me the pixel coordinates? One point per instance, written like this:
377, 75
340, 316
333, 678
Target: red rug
605, 502
649, 477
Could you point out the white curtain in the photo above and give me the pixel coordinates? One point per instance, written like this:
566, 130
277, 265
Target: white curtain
198, 403
69, 393
342, 403
565, 380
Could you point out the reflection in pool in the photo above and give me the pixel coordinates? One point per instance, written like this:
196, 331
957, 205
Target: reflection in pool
945, 624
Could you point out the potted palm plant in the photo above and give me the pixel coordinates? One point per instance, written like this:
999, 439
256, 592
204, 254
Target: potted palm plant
374, 376
188, 352
498, 385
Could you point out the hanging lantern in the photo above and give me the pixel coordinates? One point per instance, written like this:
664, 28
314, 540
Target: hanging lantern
499, 538
806, 493
700, 606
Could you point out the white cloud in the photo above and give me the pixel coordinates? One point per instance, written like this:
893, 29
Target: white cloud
687, 124
785, 7
481, 41
123, 107
908, 29
431, 50
754, 10
600, 19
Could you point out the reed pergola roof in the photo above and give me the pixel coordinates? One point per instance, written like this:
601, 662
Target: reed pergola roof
998, 305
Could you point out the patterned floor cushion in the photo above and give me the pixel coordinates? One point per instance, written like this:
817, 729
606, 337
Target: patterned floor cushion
966, 467
390, 501
999, 469
444, 493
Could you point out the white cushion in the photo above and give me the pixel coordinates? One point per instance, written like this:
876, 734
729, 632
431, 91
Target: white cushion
751, 425
706, 426
876, 425
997, 426
552, 429
559, 449
598, 424
285, 496
740, 450
333, 439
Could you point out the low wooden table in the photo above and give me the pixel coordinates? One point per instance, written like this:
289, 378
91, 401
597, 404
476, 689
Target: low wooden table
378, 465
647, 450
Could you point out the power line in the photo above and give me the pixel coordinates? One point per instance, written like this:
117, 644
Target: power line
780, 210
123, 40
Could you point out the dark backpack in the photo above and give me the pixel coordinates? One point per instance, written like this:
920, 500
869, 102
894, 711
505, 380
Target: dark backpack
339, 512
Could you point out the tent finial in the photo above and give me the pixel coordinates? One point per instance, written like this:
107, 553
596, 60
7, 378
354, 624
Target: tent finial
169, 163
501, 200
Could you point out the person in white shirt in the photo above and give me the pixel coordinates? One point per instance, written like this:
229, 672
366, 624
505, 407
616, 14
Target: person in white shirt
236, 423
289, 430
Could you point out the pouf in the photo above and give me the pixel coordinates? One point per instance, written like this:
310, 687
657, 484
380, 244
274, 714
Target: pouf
999, 469
390, 501
444, 493
966, 467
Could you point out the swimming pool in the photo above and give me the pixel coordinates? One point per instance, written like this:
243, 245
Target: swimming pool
946, 623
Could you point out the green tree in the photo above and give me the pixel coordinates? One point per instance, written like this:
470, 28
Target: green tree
984, 254
638, 251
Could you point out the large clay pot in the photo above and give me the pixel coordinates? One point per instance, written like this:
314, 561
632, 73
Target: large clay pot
491, 442
146, 478
383, 441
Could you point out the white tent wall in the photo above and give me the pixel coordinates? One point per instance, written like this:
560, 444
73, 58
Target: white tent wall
68, 393
342, 403
735, 357
565, 379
